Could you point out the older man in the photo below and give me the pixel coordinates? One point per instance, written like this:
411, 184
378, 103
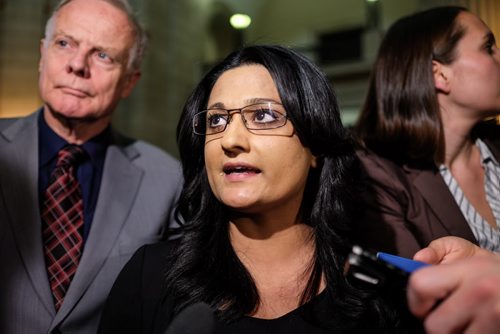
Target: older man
76, 197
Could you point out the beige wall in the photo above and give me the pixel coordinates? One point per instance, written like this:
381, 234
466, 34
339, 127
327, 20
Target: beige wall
20, 33
171, 68
489, 11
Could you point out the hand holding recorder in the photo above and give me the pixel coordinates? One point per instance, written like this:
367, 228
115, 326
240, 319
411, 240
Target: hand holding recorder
462, 293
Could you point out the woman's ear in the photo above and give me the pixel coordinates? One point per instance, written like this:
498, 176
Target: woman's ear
441, 77
314, 161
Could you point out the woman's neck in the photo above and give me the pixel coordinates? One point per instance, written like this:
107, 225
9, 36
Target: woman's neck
459, 149
280, 262
269, 242
459, 144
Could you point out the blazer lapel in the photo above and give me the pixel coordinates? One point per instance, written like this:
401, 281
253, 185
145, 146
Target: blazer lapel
441, 201
19, 186
120, 183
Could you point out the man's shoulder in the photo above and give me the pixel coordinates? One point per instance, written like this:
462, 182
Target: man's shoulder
157, 165
156, 160
11, 127
143, 152
151, 151
6, 122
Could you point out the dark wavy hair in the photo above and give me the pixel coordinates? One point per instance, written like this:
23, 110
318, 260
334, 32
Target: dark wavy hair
205, 266
400, 118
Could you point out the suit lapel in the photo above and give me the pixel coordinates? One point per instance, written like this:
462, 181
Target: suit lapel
19, 186
120, 183
441, 201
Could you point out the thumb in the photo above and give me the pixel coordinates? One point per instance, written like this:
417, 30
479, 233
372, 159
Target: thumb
448, 249
427, 255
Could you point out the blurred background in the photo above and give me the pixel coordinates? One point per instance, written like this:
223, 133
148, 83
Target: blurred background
188, 36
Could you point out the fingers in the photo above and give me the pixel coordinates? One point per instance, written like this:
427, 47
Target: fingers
427, 287
449, 249
486, 322
471, 308
463, 297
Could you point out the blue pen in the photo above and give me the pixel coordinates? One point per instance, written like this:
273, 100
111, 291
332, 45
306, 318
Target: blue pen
402, 263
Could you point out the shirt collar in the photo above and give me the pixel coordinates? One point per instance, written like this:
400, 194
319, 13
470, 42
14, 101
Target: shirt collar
53, 143
486, 155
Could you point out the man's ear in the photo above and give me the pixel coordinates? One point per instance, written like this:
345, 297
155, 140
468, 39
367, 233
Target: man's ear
441, 77
130, 83
42, 51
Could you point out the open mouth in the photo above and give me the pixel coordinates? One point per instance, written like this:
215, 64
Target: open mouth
240, 170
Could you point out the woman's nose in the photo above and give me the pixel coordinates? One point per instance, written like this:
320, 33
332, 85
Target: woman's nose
235, 136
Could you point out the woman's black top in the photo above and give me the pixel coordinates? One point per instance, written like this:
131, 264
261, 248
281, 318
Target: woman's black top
138, 304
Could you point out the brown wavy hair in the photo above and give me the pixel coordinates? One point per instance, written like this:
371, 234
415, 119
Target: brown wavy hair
400, 119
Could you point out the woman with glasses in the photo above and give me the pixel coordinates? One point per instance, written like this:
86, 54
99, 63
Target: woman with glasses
430, 142
269, 176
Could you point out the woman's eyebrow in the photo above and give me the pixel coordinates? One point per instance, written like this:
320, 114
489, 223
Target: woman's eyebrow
255, 100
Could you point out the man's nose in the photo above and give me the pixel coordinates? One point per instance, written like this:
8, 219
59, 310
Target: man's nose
79, 65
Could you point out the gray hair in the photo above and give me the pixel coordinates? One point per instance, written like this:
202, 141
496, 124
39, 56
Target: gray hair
140, 34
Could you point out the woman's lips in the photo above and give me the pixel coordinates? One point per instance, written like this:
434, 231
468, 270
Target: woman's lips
236, 172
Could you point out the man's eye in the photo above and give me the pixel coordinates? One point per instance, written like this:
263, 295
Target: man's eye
62, 43
103, 55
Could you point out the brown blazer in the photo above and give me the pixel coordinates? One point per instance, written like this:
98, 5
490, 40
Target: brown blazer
405, 208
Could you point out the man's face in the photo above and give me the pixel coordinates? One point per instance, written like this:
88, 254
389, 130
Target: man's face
83, 66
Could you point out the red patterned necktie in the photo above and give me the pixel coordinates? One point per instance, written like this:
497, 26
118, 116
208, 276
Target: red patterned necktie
62, 217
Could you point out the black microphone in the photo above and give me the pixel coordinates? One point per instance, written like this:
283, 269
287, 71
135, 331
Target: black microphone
197, 318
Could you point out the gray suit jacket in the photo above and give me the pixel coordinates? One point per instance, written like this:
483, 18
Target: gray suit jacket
407, 207
138, 192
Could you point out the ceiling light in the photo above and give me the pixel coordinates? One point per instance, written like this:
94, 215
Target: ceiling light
240, 21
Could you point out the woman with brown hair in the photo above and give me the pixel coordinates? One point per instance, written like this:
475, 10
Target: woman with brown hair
429, 152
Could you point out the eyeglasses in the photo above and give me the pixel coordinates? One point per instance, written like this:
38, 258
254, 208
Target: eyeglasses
259, 116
